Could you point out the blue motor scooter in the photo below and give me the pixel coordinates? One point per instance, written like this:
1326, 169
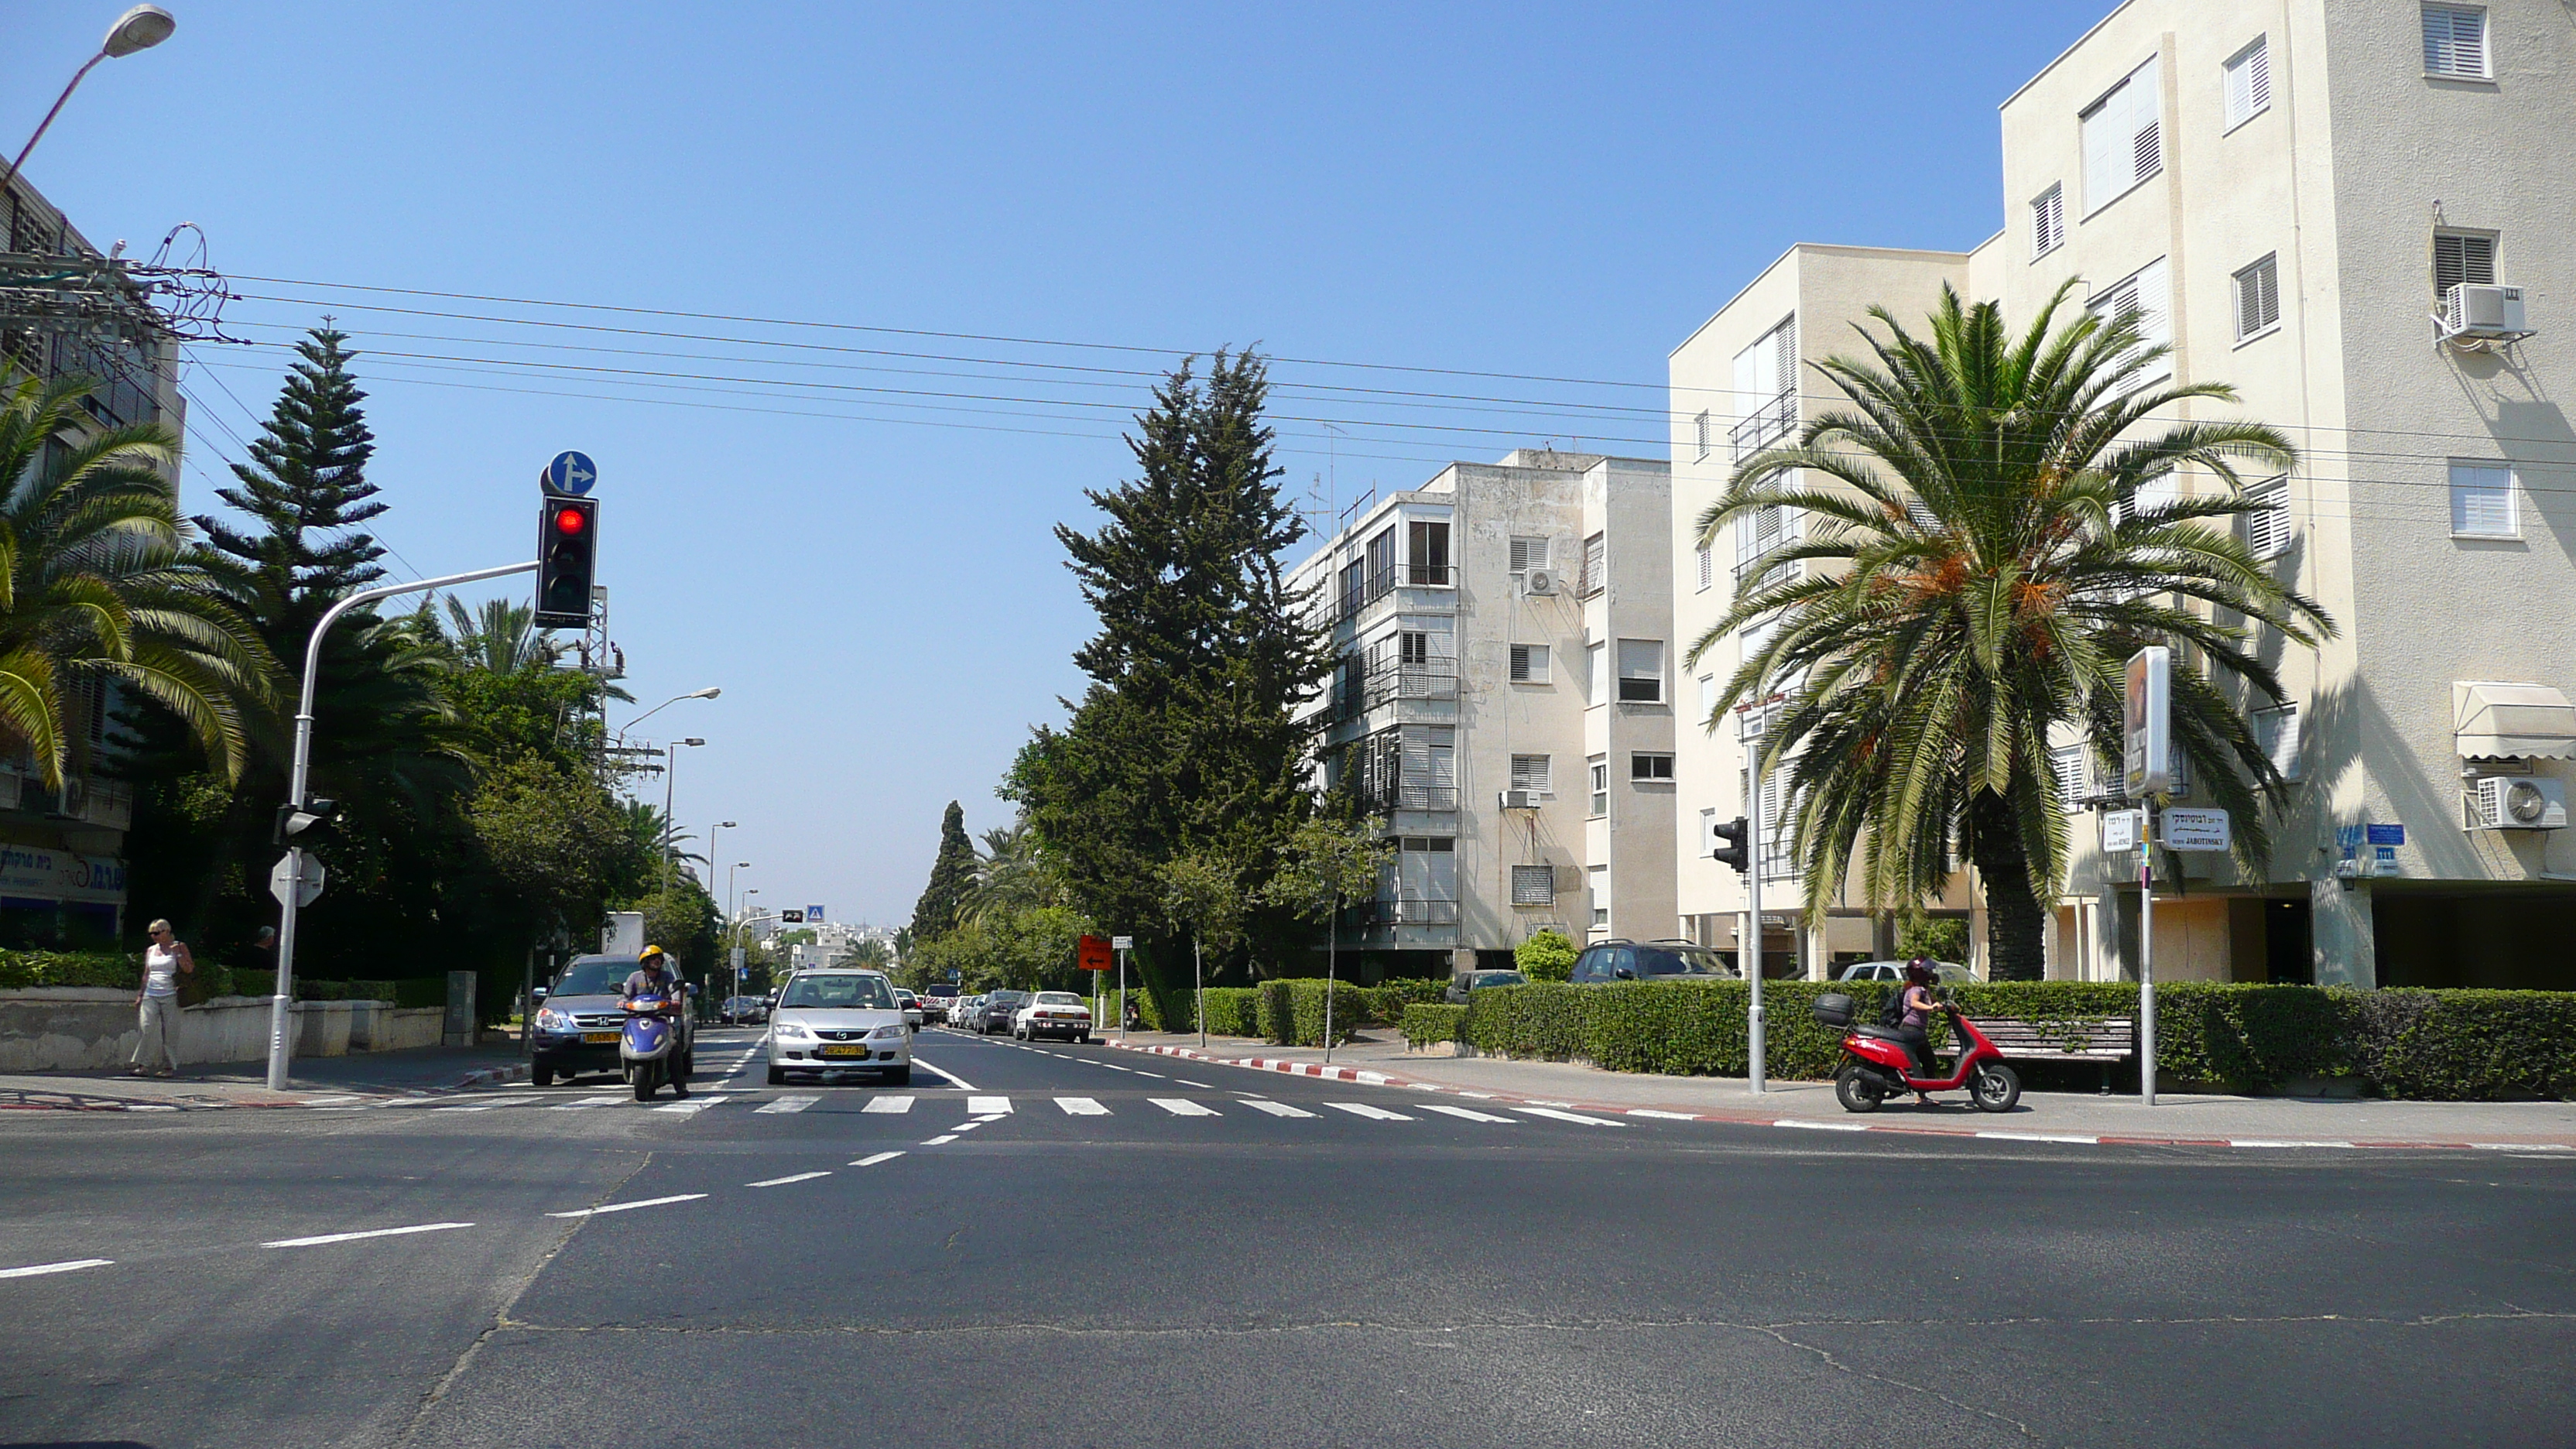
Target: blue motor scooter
649, 1046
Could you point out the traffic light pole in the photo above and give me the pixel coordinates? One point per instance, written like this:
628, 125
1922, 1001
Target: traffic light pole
281, 1007
1757, 1080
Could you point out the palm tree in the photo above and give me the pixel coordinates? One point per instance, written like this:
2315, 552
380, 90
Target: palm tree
98, 581
1011, 874
1991, 562
501, 637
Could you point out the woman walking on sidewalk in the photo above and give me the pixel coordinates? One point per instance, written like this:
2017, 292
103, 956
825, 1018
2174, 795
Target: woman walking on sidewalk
163, 963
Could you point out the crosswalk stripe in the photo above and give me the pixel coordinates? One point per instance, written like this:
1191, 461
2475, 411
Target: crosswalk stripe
1081, 1107
1276, 1109
1363, 1109
1467, 1113
585, 1102
1184, 1107
1552, 1113
692, 1106
485, 1104
889, 1103
987, 1106
788, 1104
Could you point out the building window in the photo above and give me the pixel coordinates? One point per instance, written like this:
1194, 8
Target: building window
2066, 762
1600, 770
2147, 293
2258, 298
2156, 490
1533, 885
1427, 547
2249, 83
2123, 137
1700, 423
1598, 878
1766, 390
2047, 221
1596, 565
1528, 553
1529, 664
1596, 658
2267, 527
1530, 772
2455, 41
1707, 563
1707, 697
1641, 671
1650, 765
2276, 734
2462, 257
2482, 504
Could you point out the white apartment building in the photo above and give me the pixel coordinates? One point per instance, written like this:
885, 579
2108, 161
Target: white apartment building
1505, 704
2356, 214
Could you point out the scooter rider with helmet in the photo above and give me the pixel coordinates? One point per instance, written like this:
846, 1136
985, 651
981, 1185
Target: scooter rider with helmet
1914, 1027
652, 976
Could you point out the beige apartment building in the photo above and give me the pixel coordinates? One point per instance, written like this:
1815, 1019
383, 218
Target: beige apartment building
1505, 704
2356, 214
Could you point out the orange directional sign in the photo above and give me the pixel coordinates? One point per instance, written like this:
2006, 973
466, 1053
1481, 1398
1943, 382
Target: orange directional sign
1095, 955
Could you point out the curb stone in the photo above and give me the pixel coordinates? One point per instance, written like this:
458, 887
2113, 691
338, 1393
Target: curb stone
72, 1102
1755, 1119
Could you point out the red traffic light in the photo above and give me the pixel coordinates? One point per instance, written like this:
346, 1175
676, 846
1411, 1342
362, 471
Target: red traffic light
569, 521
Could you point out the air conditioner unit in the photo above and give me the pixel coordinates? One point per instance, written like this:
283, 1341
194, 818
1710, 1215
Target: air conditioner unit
2473, 309
1520, 799
2518, 802
1539, 582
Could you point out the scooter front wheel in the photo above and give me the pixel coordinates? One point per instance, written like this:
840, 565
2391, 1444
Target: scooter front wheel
646, 1079
1996, 1089
1857, 1090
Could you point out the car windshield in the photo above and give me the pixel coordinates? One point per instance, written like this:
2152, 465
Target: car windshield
844, 993
1680, 961
596, 976
1012, 998
1497, 978
1058, 998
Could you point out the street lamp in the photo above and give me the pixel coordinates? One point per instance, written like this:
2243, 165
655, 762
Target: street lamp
708, 693
670, 760
719, 828
140, 28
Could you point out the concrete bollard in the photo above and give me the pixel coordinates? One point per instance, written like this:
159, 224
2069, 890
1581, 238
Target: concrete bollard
460, 1009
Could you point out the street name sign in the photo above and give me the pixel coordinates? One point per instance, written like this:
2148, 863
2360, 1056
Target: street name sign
2119, 830
2195, 829
281, 879
1122, 943
570, 474
2384, 834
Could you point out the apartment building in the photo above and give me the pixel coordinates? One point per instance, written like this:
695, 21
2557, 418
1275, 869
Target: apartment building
2354, 213
1504, 704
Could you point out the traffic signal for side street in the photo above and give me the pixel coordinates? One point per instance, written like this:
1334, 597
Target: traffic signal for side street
1730, 844
567, 553
307, 825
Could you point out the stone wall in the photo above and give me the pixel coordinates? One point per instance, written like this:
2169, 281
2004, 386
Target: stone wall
88, 1029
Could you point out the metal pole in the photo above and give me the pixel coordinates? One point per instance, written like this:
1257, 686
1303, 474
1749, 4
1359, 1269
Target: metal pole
1198, 974
281, 1006
1122, 996
1332, 961
1755, 1077
42, 126
670, 761
2146, 953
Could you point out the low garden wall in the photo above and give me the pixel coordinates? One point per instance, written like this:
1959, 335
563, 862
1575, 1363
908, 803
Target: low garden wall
87, 1028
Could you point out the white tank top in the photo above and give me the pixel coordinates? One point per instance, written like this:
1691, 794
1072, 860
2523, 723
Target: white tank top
160, 972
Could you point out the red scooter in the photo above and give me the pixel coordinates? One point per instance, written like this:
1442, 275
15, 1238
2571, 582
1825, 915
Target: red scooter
1877, 1065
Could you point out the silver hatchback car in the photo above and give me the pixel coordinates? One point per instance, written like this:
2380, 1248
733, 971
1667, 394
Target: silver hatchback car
840, 1021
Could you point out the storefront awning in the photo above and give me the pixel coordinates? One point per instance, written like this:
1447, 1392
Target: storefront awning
2508, 721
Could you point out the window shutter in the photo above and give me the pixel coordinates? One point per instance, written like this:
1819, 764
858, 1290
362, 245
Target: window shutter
1533, 885
2148, 150
2067, 763
1596, 563
2048, 221
2267, 528
1707, 567
1701, 422
2459, 258
1530, 772
2482, 500
2455, 41
1529, 664
2249, 83
1528, 553
1785, 366
2258, 297
2276, 732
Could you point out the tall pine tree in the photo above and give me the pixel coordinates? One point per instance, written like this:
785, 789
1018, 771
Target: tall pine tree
1186, 742
306, 486
951, 873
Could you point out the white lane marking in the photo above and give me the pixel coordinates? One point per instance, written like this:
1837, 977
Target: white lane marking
509, 1101
1275, 1109
1555, 1115
1113, 1066
1363, 1109
1479, 1096
585, 1102
1666, 1116
1081, 1107
1543, 1102
783, 1181
1157, 1076
38, 1270
954, 1080
1823, 1126
788, 1104
1204, 1086
620, 1207
943, 1137
872, 1159
316, 1242
318, 1102
442, 1109
692, 1106
2093, 1141
1184, 1107
1468, 1113
888, 1104
987, 1106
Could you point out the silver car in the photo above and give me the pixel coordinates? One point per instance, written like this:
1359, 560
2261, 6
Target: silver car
840, 1021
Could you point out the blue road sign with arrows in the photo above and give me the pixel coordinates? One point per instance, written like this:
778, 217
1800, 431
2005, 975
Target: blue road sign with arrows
571, 473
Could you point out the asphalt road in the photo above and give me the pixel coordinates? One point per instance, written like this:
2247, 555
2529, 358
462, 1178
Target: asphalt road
1078, 1246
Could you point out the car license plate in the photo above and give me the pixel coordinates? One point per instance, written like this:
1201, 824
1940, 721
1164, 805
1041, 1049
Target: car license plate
599, 1038
842, 1051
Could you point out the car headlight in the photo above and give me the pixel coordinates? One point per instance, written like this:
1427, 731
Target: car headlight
887, 1033
549, 1019
792, 1031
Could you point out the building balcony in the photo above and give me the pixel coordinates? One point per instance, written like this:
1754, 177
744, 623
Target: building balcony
1765, 425
1404, 795
1406, 921
1353, 697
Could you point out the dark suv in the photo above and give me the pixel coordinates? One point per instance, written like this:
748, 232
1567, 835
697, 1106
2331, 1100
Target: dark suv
578, 1027
1649, 961
997, 1011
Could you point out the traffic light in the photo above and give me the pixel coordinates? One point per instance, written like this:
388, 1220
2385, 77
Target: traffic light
567, 552
307, 825
1730, 844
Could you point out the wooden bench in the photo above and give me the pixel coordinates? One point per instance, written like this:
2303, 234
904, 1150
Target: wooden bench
2107, 1042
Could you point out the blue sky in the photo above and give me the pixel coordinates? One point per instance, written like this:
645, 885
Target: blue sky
1559, 191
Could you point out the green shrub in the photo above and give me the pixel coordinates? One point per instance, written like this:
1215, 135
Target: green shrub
2463, 1045
1426, 1022
1234, 1010
108, 970
247, 982
1290, 1012
1546, 956
1943, 938
417, 991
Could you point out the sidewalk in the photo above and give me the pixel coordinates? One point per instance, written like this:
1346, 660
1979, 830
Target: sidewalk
2184, 1119
245, 1084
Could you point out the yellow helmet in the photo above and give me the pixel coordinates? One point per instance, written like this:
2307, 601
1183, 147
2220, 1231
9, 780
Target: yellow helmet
650, 952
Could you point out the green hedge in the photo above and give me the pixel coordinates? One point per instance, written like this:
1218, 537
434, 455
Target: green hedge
2444, 1045
109, 970
1428, 1022
409, 991
1234, 1010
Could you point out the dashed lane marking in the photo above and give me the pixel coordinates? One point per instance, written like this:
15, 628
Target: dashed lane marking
788, 1104
874, 1158
628, 1207
783, 1181
888, 1104
1275, 1109
1081, 1107
942, 1137
1554, 1115
987, 1106
1469, 1114
1202, 1086
1363, 1109
39, 1270
315, 1242
1184, 1107
954, 1080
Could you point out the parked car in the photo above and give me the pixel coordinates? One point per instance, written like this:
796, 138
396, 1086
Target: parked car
911, 1004
1605, 961
576, 1030
1459, 986
998, 1009
1053, 1013
1951, 974
936, 1001
838, 1021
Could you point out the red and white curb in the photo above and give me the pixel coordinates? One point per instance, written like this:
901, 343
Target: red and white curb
1810, 1124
